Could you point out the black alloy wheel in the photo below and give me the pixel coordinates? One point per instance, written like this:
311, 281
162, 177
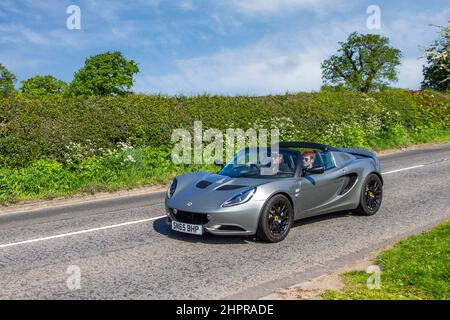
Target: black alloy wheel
371, 196
276, 219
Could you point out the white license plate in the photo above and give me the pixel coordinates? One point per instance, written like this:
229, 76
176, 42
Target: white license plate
187, 228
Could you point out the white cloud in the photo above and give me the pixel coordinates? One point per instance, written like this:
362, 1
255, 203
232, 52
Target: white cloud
275, 64
259, 69
34, 37
19, 34
290, 60
410, 73
278, 6
186, 5
410, 32
284, 60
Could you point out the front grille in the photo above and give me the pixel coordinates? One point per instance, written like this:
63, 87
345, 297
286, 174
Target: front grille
190, 217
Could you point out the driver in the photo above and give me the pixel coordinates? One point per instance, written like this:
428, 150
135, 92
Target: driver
279, 165
309, 156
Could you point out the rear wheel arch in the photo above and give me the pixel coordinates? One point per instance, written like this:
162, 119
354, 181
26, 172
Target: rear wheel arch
379, 176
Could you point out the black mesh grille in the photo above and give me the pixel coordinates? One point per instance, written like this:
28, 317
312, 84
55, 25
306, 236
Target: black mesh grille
230, 228
190, 217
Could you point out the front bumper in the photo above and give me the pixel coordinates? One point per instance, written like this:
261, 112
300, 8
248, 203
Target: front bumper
237, 220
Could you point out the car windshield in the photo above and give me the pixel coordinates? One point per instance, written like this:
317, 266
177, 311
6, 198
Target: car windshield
262, 163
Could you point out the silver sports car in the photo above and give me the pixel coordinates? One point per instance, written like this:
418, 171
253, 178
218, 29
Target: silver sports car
264, 195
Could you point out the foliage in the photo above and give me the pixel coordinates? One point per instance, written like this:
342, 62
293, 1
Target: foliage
415, 268
104, 74
42, 86
122, 168
437, 71
364, 62
334, 88
7, 80
31, 129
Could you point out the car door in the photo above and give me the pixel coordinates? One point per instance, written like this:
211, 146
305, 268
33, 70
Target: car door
319, 191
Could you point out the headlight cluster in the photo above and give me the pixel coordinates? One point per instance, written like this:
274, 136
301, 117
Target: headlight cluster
240, 198
172, 188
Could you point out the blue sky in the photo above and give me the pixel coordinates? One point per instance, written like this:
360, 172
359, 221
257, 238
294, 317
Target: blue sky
219, 47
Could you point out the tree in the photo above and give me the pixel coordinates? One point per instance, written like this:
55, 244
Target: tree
364, 62
42, 86
104, 74
7, 80
437, 71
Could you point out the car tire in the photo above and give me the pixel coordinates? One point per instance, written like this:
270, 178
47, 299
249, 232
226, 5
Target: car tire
276, 219
371, 196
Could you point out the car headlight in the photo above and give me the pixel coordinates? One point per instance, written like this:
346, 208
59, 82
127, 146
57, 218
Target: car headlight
240, 198
172, 188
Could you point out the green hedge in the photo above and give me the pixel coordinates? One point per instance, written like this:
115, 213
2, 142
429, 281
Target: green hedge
36, 128
48, 178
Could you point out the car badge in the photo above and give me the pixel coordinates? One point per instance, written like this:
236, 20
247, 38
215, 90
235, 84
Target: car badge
189, 204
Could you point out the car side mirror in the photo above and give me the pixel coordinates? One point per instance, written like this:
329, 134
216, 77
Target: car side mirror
316, 170
218, 163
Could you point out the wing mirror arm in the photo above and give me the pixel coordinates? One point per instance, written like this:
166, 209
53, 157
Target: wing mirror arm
316, 170
219, 164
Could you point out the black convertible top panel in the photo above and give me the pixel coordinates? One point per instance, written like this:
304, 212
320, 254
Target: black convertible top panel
360, 152
309, 145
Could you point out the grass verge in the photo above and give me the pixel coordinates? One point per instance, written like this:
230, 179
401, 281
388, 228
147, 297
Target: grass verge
415, 268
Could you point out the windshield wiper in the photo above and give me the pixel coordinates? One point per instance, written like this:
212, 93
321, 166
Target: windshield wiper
249, 174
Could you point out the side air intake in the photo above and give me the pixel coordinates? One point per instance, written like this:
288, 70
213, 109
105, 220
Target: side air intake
352, 178
227, 187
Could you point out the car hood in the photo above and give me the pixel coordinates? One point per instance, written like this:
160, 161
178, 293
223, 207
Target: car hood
200, 191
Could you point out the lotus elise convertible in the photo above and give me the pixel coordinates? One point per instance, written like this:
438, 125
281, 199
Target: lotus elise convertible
249, 196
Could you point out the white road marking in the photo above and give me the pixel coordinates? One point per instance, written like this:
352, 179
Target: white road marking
403, 169
133, 222
79, 232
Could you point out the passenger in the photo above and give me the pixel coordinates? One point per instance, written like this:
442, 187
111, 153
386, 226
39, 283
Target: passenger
309, 156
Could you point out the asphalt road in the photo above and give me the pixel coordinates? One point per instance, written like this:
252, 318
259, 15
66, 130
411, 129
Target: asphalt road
124, 251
